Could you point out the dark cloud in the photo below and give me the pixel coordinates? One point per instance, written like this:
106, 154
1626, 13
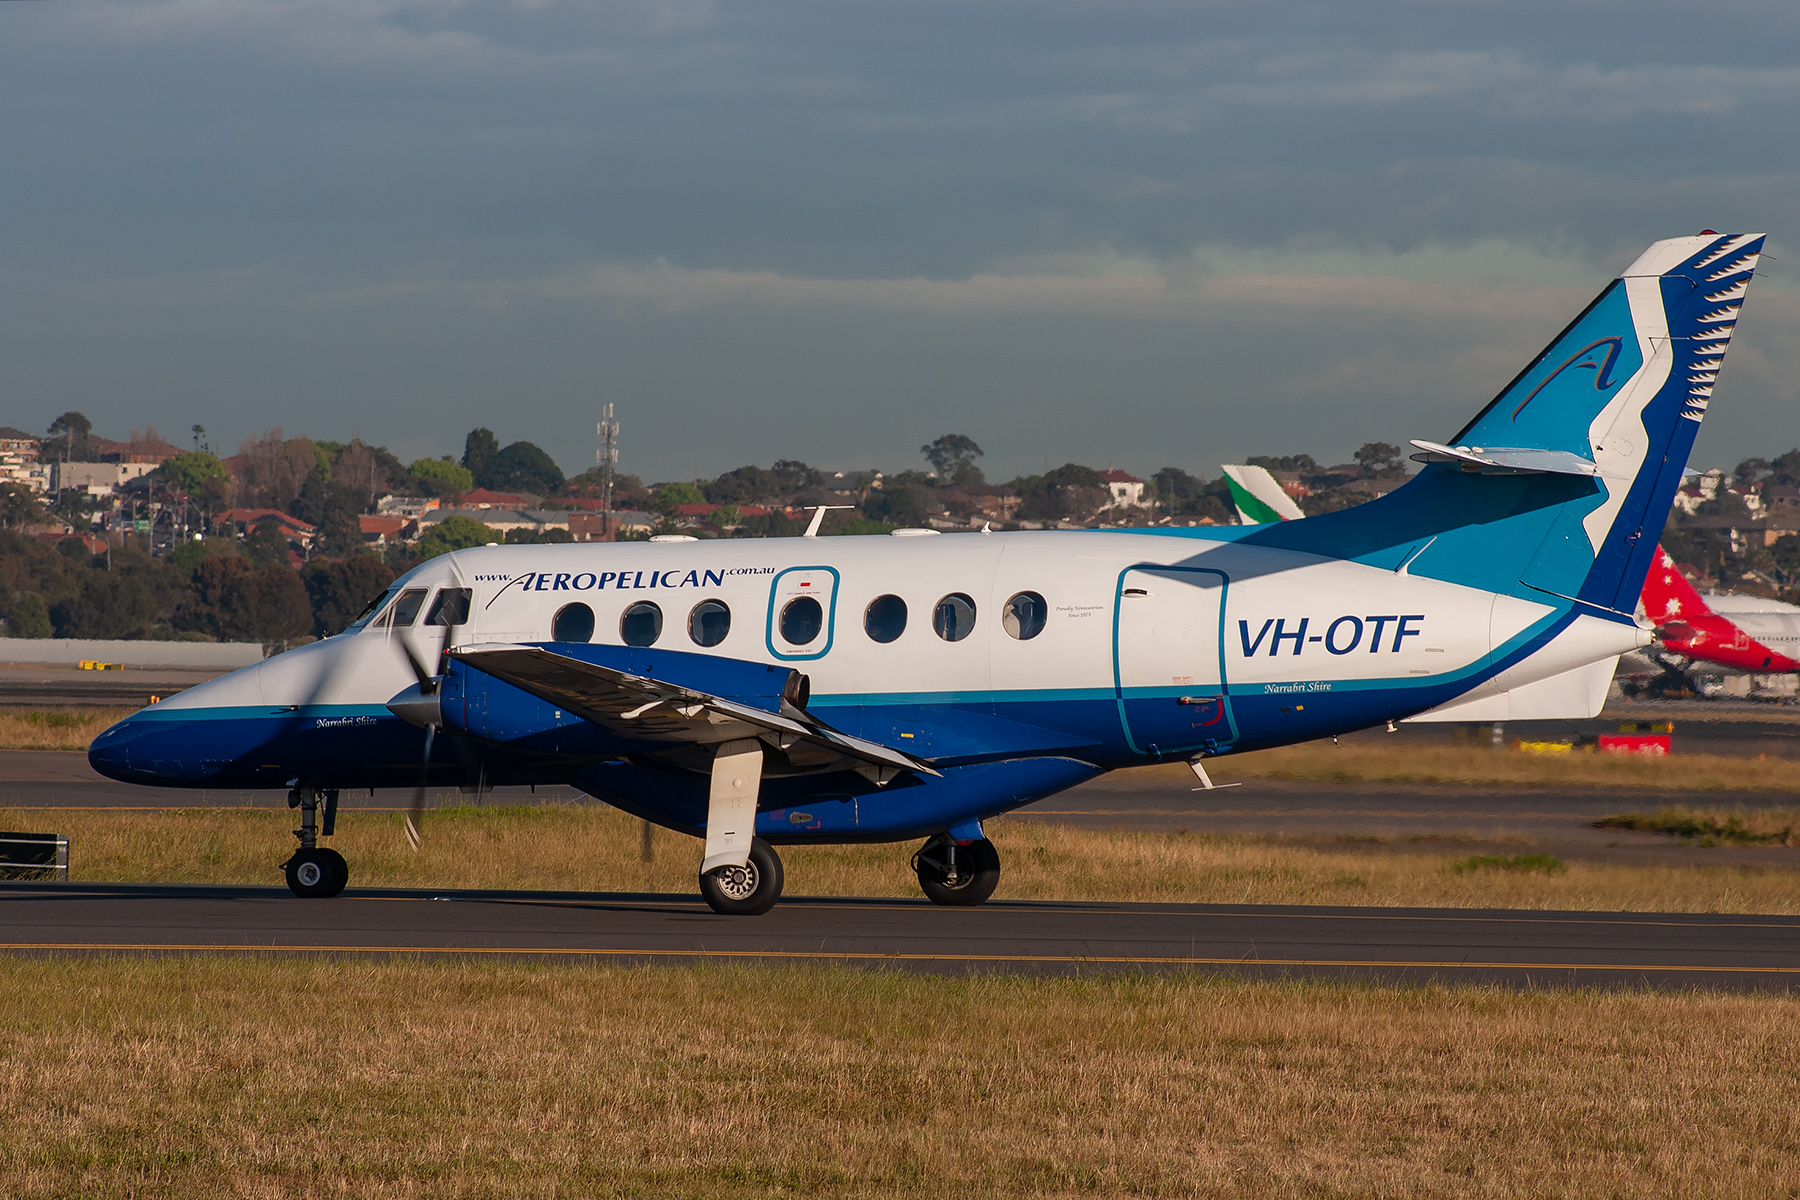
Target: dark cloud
1143, 232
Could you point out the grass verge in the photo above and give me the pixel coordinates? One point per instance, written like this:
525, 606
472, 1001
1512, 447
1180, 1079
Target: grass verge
1369, 760
1712, 826
596, 848
279, 1077
55, 728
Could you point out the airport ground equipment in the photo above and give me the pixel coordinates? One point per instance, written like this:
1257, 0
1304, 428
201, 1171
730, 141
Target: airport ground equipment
758, 693
34, 856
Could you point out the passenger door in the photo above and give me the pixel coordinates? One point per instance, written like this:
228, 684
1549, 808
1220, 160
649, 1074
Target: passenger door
1169, 661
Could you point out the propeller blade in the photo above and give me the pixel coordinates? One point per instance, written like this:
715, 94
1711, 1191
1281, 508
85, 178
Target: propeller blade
416, 815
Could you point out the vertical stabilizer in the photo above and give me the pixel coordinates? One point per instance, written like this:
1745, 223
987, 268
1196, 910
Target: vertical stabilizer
1258, 496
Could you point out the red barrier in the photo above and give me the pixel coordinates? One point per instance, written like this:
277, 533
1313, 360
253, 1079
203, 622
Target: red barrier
1653, 744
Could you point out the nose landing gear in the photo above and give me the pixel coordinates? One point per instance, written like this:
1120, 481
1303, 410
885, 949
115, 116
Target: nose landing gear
315, 871
957, 874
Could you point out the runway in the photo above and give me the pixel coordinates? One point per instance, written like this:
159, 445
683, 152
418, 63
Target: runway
1398, 945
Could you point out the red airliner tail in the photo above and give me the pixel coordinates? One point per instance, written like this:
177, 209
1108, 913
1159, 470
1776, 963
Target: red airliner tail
1668, 596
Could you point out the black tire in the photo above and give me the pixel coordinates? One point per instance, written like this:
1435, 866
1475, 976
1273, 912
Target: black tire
340, 871
959, 876
315, 874
747, 891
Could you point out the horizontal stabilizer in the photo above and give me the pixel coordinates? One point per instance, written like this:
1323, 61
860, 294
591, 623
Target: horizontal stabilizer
1499, 460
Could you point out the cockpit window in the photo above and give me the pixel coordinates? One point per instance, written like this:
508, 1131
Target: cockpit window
405, 610
451, 607
374, 607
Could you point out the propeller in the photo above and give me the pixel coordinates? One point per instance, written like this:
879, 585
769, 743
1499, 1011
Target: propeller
415, 816
423, 708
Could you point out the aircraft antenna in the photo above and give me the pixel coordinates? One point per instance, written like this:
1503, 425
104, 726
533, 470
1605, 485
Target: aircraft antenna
607, 458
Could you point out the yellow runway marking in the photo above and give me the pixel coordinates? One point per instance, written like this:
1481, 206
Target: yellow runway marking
876, 956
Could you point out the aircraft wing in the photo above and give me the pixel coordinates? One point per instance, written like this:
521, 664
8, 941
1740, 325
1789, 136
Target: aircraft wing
640, 707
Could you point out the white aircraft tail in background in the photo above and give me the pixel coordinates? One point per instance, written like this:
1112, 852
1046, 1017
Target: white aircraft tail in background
1258, 496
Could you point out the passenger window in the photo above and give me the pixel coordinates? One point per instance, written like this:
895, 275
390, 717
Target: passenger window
1025, 616
574, 623
406, 609
709, 623
641, 625
954, 617
451, 607
801, 621
885, 619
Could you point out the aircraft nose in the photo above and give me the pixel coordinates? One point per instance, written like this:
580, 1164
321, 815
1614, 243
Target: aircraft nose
110, 753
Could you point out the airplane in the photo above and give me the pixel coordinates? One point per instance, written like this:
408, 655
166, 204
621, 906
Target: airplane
766, 692
1258, 496
1744, 633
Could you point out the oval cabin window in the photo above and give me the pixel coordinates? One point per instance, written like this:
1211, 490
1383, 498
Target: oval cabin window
801, 621
1025, 616
641, 625
885, 618
954, 617
573, 623
709, 623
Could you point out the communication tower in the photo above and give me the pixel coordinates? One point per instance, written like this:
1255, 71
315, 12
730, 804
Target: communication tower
607, 458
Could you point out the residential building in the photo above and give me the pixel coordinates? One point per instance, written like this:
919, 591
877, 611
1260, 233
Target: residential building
387, 531
97, 478
243, 520
1126, 490
411, 507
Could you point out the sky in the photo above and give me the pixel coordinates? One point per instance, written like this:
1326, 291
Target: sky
1130, 233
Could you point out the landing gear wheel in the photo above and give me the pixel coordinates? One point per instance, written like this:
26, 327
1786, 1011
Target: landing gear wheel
747, 891
316, 873
960, 875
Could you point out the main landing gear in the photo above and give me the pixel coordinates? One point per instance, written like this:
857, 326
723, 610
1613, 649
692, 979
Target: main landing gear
749, 890
315, 870
963, 874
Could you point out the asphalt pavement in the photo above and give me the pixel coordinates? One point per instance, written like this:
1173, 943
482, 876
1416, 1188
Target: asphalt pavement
1399, 945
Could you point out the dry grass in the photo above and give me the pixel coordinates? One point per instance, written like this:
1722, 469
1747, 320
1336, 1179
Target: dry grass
596, 848
1370, 760
1711, 826
283, 1078
55, 728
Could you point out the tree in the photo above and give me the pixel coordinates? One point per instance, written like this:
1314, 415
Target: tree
1300, 463
108, 605
901, 500
746, 485
538, 537
479, 448
521, 467
230, 600
1185, 495
1071, 492
339, 591
792, 476
453, 533
953, 458
1380, 458
275, 469
26, 616
440, 477
267, 544
71, 430
199, 476
671, 496
18, 506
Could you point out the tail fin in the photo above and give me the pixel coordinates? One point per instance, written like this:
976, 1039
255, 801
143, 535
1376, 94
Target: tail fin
1624, 388
1668, 596
1258, 496
1559, 488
